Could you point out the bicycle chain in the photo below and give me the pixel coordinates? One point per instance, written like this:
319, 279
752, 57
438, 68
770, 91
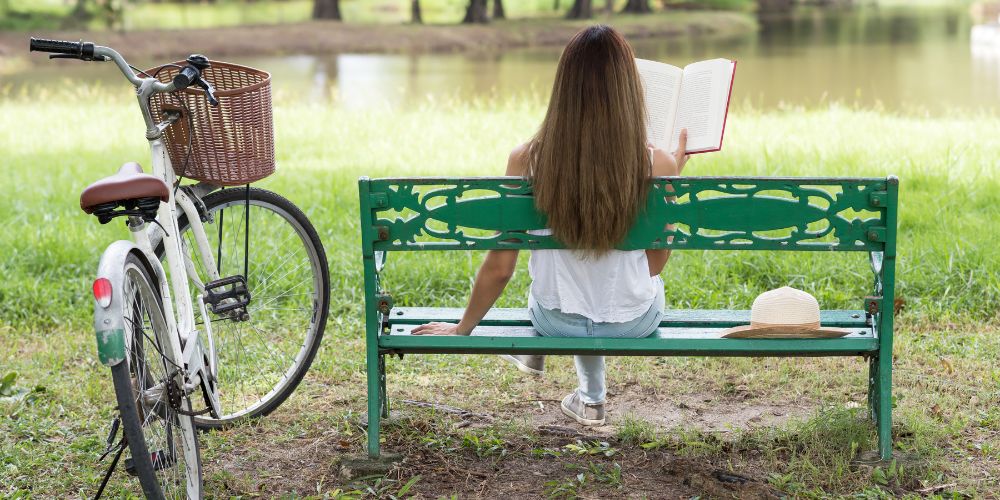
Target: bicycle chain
175, 397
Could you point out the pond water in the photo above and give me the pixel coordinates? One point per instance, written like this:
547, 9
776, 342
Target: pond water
913, 59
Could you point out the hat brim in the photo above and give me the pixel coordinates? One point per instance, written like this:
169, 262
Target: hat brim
784, 332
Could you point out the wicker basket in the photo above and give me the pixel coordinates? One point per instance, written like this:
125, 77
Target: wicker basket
231, 144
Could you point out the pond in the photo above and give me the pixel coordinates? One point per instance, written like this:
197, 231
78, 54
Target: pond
907, 59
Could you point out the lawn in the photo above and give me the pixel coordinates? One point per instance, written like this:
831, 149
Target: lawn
788, 425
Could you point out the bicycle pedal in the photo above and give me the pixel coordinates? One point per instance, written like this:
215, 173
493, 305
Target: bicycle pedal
162, 460
227, 294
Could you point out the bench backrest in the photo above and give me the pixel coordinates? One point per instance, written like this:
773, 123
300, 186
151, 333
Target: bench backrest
710, 213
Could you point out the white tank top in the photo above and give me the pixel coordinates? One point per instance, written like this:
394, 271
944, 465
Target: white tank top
612, 288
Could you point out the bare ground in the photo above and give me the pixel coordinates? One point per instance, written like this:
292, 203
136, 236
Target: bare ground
531, 462
335, 37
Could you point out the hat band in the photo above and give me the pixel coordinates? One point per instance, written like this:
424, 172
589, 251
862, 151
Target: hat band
796, 326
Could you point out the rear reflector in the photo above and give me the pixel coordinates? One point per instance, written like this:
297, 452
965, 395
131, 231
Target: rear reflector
102, 291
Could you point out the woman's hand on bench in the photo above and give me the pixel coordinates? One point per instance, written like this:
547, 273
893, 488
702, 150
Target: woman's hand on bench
438, 329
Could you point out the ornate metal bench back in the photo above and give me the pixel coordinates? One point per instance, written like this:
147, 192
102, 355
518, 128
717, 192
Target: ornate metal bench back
709, 213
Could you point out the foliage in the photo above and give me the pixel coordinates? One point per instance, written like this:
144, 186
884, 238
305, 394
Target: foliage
485, 445
739, 5
593, 447
10, 393
634, 431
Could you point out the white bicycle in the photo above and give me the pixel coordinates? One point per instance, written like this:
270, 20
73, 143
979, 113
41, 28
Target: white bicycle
227, 325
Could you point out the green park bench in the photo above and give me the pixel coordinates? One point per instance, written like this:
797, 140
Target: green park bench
710, 213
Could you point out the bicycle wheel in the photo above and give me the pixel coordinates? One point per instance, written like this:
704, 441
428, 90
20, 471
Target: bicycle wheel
163, 443
263, 354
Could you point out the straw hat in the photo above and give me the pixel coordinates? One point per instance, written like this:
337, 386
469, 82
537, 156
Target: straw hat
784, 313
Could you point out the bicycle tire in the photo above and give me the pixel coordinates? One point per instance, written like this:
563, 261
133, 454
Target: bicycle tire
146, 414
263, 205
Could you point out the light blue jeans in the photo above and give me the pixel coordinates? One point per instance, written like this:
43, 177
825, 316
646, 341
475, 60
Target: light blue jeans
590, 369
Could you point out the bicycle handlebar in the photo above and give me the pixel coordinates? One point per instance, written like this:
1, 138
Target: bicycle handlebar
87, 51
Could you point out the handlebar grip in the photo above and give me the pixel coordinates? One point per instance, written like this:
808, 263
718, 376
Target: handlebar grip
186, 77
56, 46
80, 50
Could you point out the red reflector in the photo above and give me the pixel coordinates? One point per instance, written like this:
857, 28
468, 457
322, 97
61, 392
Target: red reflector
102, 291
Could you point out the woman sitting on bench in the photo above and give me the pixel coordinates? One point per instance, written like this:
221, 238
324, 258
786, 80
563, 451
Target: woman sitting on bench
589, 166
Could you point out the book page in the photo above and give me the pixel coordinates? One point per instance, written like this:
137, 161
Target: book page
703, 104
661, 85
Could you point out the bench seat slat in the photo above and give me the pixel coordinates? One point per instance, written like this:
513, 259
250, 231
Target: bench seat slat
518, 316
667, 341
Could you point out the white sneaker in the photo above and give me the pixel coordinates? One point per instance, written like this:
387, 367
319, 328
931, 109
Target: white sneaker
584, 413
532, 364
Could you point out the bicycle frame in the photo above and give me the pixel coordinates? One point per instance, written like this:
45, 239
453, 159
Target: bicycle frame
175, 292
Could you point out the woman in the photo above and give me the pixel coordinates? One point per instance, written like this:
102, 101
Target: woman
589, 165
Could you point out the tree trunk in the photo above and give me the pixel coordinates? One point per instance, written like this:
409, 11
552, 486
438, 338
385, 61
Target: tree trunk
609, 7
637, 7
80, 12
326, 9
498, 12
582, 9
555, 4
476, 12
415, 16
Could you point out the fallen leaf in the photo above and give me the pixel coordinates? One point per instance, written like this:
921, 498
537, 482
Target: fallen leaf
936, 410
898, 305
947, 365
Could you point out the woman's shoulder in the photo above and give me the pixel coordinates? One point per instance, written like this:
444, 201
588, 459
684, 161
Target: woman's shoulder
517, 162
664, 163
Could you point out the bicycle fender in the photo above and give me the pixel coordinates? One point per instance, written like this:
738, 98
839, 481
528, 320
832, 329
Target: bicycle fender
109, 322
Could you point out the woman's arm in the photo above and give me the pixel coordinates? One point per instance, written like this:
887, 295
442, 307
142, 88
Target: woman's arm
493, 276
666, 165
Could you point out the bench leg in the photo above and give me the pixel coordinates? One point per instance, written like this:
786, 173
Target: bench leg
884, 419
880, 402
873, 389
375, 395
384, 396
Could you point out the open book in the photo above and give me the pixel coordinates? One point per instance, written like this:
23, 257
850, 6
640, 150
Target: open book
695, 98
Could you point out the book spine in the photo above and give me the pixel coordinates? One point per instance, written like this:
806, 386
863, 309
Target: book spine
732, 82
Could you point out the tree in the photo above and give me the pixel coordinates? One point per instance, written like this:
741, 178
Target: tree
637, 7
476, 12
80, 11
415, 15
498, 12
582, 9
326, 9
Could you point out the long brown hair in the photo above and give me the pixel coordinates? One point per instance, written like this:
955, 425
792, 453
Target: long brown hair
588, 162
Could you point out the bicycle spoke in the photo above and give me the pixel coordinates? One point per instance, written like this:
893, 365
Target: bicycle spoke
263, 355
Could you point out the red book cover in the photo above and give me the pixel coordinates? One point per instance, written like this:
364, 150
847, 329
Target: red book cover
724, 119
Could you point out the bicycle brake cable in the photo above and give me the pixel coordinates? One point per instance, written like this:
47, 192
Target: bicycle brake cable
246, 238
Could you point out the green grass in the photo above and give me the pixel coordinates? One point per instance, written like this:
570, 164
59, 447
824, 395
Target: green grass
55, 143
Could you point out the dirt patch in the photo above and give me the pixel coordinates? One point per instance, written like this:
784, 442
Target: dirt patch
705, 412
642, 475
333, 37
530, 461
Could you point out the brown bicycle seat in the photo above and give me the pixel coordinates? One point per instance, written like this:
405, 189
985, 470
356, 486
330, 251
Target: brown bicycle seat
128, 184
